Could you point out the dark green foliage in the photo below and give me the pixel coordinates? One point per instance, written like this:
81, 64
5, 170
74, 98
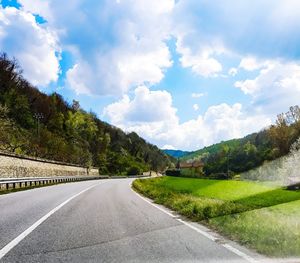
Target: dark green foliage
134, 170
173, 172
37, 124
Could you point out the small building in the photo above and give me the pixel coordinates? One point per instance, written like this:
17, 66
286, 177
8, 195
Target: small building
191, 169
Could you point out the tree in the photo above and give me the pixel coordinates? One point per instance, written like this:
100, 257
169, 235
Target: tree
75, 105
134, 170
12, 138
280, 134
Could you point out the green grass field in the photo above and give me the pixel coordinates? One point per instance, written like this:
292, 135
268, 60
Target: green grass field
259, 216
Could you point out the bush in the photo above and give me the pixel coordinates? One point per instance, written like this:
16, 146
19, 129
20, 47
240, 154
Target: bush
221, 176
134, 170
173, 172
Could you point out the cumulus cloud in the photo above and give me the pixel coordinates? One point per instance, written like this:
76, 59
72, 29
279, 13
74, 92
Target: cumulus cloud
252, 63
116, 45
120, 69
152, 115
146, 107
275, 89
201, 60
248, 27
196, 107
41, 8
34, 46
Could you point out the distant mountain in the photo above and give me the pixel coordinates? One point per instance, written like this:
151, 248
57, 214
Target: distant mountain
176, 153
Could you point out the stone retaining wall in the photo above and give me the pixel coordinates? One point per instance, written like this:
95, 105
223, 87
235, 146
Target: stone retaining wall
14, 166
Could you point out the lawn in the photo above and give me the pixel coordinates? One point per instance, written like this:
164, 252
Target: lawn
262, 217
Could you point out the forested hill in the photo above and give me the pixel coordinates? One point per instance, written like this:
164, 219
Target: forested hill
46, 126
239, 155
212, 149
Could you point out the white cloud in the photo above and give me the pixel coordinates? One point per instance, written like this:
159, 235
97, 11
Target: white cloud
232, 71
118, 70
168, 147
200, 61
151, 114
37, 7
116, 45
196, 107
252, 63
197, 95
146, 107
261, 28
34, 46
247, 86
276, 87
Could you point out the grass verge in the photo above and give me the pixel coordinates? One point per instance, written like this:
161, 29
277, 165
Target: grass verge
261, 217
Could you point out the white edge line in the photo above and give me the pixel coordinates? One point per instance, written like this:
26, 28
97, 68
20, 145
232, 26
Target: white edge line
227, 246
198, 230
24, 234
149, 202
240, 253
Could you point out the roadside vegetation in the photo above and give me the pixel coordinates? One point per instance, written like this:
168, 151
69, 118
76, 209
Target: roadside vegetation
260, 216
46, 126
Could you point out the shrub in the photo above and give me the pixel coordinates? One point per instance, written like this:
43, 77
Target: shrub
173, 172
134, 170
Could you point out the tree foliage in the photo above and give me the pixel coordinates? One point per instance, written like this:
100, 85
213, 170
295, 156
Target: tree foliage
34, 123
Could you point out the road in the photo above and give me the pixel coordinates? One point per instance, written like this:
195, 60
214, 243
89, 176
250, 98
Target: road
106, 222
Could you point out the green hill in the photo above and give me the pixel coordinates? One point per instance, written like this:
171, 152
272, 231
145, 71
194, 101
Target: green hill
212, 149
46, 126
227, 158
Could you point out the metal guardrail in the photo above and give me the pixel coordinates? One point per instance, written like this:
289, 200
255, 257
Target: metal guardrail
128, 176
14, 183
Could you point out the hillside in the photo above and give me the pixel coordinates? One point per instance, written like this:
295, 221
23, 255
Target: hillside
212, 149
240, 155
46, 126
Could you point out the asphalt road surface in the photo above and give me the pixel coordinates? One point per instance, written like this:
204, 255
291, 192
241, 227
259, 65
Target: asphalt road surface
98, 221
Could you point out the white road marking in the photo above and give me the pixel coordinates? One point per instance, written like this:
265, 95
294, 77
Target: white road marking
198, 230
207, 235
161, 209
19, 238
240, 253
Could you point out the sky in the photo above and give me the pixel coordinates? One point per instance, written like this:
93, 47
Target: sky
182, 74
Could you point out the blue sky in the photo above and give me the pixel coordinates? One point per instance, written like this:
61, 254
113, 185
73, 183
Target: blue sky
182, 74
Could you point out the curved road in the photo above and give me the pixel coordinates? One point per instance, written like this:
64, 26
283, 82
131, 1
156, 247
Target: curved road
98, 221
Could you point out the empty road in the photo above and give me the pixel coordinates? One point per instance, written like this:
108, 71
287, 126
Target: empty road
98, 221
